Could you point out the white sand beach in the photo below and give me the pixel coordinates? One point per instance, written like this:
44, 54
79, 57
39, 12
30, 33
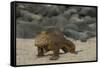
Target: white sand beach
26, 52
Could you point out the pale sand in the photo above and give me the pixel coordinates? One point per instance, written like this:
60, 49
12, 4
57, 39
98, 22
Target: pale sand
26, 53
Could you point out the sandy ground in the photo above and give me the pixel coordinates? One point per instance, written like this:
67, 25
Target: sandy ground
26, 53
